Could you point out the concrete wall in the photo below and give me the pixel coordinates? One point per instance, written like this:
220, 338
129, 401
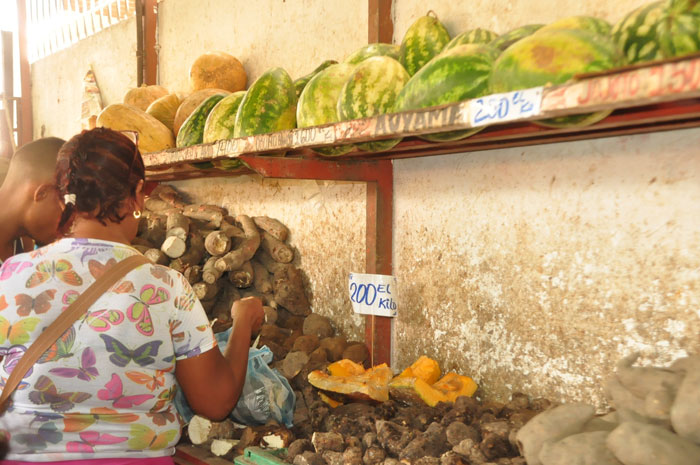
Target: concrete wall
537, 268
296, 35
502, 15
57, 80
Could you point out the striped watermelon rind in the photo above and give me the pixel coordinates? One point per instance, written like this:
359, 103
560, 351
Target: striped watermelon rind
423, 40
473, 36
554, 57
678, 30
318, 103
457, 74
192, 130
373, 50
585, 23
372, 90
504, 41
636, 33
268, 106
221, 121
300, 83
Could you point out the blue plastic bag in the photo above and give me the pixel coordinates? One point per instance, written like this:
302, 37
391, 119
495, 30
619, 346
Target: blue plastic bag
266, 394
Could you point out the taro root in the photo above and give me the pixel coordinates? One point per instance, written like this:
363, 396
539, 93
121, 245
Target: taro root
392, 437
309, 458
356, 351
318, 325
328, 441
334, 346
431, 443
458, 432
307, 343
374, 455
352, 456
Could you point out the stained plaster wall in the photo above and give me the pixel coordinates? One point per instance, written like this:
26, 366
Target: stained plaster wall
536, 268
57, 80
296, 35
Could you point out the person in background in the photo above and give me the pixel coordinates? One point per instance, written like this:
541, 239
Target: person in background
103, 394
30, 203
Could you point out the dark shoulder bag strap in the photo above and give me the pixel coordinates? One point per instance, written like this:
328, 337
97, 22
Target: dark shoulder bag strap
64, 321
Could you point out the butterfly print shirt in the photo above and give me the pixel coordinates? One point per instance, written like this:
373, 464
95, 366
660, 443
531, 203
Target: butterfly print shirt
105, 388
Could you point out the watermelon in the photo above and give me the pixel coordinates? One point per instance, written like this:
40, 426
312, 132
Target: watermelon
373, 50
678, 30
554, 57
318, 103
474, 36
504, 41
636, 33
222, 118
192, 130
586, 23
371, 90
423, 40
268, 106
457, 74
300, 83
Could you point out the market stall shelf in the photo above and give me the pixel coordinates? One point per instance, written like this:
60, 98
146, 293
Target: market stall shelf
654, 97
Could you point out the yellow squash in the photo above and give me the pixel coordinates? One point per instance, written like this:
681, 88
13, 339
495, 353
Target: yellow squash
153, 135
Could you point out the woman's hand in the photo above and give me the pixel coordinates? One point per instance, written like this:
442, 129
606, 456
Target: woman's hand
248, 312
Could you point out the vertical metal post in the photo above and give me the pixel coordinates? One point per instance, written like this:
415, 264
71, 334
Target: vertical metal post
150, 26
380, 22
139, 43
379, 236
25, 125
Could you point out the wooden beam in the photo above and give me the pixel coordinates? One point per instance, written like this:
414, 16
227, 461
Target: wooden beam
150, 26
139, 43
380, 22
26, 124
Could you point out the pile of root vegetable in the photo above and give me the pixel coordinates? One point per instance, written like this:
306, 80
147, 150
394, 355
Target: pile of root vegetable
657, 410
467, 431
226, 258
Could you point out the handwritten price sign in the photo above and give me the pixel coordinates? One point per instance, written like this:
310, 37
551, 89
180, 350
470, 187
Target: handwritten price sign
498, 108
373, 294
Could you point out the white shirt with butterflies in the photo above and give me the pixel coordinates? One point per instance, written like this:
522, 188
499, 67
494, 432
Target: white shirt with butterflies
105, 388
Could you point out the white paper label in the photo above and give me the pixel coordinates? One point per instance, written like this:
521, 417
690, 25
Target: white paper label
373, 294
497, 108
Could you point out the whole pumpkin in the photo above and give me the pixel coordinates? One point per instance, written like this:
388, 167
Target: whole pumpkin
153, 135
189, 104
164, 109
142, 97
217, 70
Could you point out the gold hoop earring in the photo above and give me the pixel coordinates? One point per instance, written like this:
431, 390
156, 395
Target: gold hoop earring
137, 214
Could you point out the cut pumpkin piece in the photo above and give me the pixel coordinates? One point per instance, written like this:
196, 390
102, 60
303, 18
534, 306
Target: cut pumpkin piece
373, 384
415, 391
424, 368
345, 367
453, 385
328, 400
